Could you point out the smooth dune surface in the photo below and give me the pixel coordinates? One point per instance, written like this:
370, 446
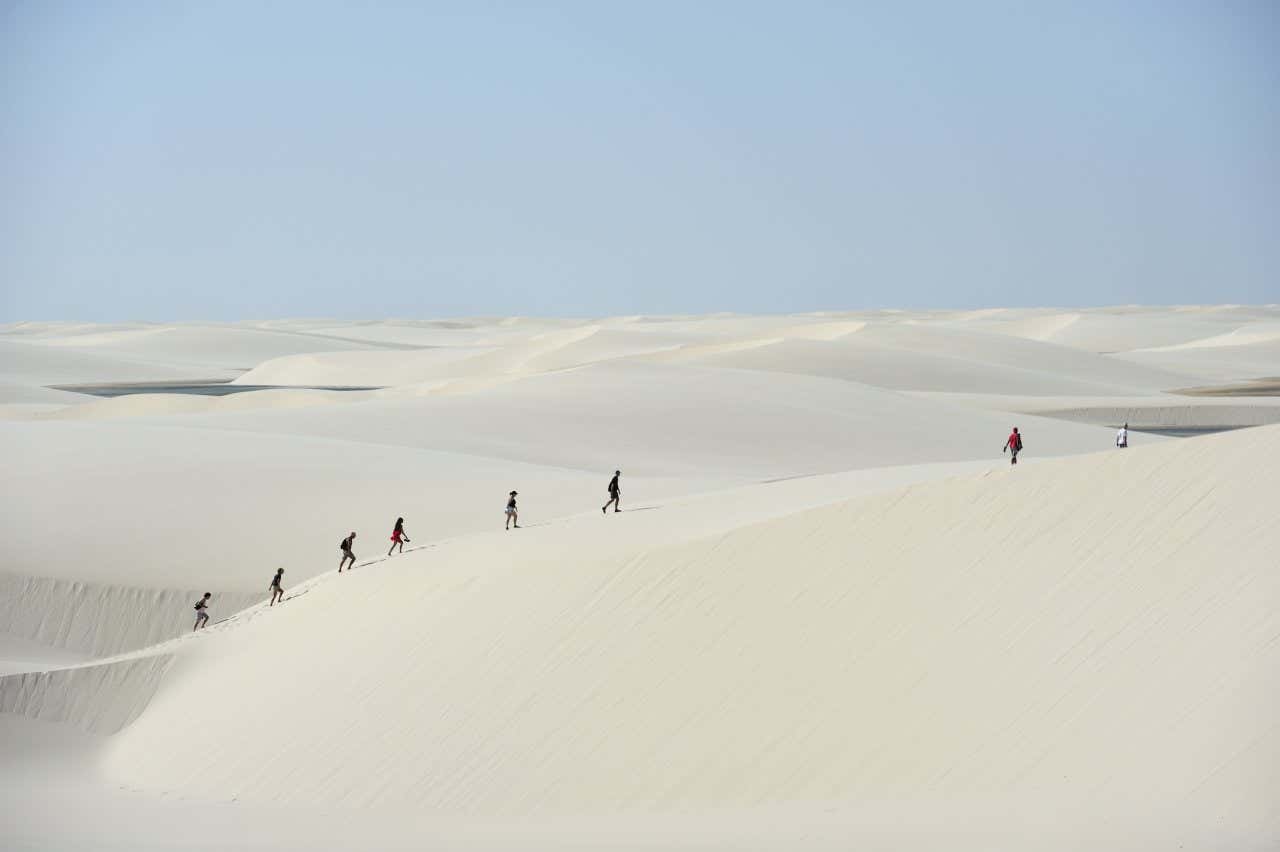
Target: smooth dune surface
1025, 647
830, 614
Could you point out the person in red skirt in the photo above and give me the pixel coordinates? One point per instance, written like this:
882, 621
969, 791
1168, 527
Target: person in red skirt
398, 537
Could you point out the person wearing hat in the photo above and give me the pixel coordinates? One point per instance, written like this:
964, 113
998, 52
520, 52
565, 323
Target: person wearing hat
615, 494
513, 517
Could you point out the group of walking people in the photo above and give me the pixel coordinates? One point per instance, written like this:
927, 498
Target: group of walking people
398, 539
1012, 445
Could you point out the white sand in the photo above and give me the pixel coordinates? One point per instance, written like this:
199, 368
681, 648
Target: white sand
831, 613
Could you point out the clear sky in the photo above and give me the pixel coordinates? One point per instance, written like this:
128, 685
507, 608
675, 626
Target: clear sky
226, 160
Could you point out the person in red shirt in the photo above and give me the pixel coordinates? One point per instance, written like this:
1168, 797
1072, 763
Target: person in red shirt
1013, 445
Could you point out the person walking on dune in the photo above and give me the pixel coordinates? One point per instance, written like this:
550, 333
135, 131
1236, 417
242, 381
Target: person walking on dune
615, 494
513, 517
1013, 445
345, 547
397, 536
202, 611
1122, 436
277, 590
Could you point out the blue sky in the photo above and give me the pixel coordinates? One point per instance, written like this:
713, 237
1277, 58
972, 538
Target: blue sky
247, 160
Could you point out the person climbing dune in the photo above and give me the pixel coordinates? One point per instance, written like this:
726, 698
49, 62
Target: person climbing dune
398, 537
513, 516
1013, 445
347, 553
276, 589
615, 494
202, 611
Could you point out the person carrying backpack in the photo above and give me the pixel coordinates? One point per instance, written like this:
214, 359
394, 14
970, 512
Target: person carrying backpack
347, 553
1122, 436
202, 611
277, 591
1013, 445
615, 494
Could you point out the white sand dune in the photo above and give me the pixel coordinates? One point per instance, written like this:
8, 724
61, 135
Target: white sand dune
37, 365
1072, 633
1162, 411
676, 420
361, 369
200, 347
546, 351
1255, 332
233, 494
938, 358
1122, 329
1216, 364
831, 613
217, 511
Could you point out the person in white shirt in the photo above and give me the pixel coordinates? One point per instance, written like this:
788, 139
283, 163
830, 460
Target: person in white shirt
1122, 436
202, 611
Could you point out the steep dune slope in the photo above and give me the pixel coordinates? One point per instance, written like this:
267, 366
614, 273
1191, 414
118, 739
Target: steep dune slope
1070, 630
110, 527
